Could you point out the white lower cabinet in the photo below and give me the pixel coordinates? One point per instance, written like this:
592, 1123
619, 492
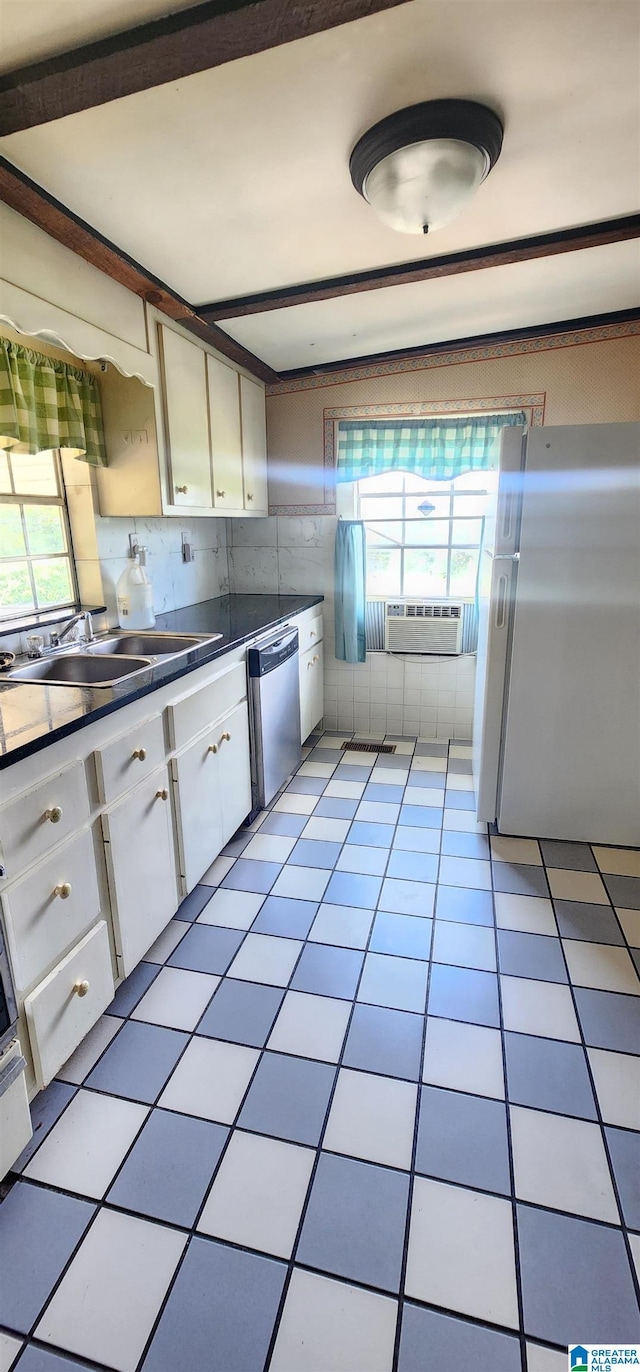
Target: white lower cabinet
141, 866
212, 780
66, 1005
311, 690
51, 908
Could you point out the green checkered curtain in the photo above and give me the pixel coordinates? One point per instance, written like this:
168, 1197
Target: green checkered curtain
437, 449
47, 404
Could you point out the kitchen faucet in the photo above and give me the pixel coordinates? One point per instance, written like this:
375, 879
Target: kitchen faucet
58, 635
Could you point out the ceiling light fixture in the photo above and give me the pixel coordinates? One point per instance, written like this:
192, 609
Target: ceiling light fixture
419, 167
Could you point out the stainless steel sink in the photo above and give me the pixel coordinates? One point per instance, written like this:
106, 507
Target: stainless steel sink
80, 669
150, 644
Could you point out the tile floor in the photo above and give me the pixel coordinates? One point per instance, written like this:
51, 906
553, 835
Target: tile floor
371, 1102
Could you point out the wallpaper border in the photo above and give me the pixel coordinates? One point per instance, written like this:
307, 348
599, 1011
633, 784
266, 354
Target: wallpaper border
455, 356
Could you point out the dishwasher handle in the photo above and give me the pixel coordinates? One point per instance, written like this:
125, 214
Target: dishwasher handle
272, 652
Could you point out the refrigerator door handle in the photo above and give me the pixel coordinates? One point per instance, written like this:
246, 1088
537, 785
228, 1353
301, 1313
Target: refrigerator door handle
501, 602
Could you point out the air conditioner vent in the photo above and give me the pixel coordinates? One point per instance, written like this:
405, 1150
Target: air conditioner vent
421, 611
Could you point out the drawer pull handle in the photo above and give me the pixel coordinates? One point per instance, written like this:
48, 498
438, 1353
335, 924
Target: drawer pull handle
249, 495
213, 748
162, 795
54, 814
80, 988
181, 490
63, 890
140, 753
226, 738
220, 495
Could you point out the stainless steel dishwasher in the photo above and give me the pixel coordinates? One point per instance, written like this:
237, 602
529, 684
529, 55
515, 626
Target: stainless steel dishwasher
274, 693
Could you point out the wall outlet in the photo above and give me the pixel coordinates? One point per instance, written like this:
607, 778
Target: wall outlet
188, 552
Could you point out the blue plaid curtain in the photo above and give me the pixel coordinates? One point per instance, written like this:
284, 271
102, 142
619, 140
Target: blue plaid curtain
438, 449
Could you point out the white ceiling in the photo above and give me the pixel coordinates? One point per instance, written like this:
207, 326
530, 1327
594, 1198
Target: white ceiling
594, 281
33, 29
236, 180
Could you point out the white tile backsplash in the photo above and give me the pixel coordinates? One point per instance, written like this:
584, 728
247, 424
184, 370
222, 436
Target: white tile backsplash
293, 555
175, 583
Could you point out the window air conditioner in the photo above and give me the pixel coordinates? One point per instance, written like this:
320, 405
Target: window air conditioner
422, 626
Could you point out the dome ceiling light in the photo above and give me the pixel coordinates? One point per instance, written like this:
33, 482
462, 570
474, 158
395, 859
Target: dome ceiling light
418, 167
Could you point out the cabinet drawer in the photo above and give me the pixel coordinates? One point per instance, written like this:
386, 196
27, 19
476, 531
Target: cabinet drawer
43, 817
193, 713
51, 908
123, 763
310, 632
66, 1005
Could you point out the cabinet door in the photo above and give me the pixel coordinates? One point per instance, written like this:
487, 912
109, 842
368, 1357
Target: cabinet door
311, 690
142, 866
187, 420
196, 776
235, 770
226, 439
254, 445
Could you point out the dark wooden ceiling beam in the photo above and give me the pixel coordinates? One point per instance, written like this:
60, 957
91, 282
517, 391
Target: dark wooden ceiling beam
34, 203
429, 268
461, 345
168, 49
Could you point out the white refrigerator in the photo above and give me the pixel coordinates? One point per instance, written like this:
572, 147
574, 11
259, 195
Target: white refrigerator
556, 738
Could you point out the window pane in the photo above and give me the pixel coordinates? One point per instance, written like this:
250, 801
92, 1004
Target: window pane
424, 484
467, 531
425, 573
382, 535
441, 506
434, 532
45, 529
15, 588
383, 572
11, 535
470, 504
477, 481
390, 508
464, 567
53, 581
5, 479
387, 481
34, 473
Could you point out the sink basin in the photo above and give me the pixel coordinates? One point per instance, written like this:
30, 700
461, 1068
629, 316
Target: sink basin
150, 644
80, 669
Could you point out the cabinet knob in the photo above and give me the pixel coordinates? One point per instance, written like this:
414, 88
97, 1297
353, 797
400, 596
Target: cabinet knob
54, 814
249, 495
140, 753
63, 890
221, 495
80, 988
225, 738
315, 658
213, 748
312, 633
181, 490
162, 795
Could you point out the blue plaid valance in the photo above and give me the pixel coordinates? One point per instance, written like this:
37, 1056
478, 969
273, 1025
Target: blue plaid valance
437, 449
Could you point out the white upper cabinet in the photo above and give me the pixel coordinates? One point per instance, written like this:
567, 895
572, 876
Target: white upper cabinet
226, 436
254, 446
184, 376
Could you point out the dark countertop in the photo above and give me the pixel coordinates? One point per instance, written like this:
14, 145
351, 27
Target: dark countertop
33, 715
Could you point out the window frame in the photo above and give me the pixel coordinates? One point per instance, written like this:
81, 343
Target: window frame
59, 500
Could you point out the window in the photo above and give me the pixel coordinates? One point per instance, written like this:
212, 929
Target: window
423, 537
36, 568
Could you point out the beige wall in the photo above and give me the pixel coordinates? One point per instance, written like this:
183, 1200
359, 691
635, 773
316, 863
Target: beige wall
586, 383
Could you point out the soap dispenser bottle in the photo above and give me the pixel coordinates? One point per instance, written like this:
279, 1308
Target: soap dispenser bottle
134, 595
